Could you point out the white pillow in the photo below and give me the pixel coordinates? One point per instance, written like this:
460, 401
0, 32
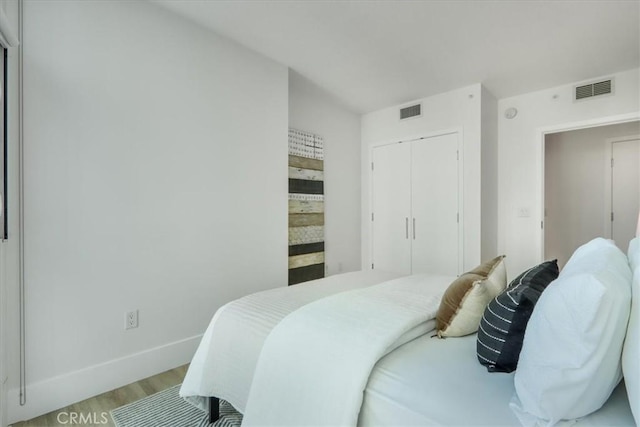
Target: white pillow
589, 258
634, 253
570, 359
631, 349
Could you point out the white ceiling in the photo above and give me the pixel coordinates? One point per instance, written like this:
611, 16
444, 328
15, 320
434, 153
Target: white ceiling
375, 54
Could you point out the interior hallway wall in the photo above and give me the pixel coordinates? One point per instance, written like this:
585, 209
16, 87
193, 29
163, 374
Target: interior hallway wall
520, 173
576, 164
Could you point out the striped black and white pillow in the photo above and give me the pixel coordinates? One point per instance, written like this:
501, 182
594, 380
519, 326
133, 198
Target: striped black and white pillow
505, 319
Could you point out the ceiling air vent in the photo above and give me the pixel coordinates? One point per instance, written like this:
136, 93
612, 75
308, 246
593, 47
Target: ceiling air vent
411, 111
593, 89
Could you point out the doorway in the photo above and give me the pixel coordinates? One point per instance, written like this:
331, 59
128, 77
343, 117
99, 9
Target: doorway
580, 189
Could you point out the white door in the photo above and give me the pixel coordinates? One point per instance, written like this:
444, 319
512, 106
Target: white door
625, 191
434, 170
391, 202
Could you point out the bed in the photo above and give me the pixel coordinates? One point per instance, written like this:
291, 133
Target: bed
410, 378
398, 395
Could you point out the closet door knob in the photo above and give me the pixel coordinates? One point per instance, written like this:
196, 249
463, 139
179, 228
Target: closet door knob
406, 227
414, 229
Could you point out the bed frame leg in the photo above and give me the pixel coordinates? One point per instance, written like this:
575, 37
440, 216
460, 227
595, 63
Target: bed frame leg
214, 409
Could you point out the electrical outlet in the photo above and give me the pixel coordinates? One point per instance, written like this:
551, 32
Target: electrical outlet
131, 319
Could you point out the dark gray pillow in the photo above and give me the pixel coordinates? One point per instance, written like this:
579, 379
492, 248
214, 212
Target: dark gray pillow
505, 319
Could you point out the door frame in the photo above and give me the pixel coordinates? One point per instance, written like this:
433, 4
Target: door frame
541, 134
425, 135
607, 179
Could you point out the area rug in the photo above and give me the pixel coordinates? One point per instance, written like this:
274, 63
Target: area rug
168, 409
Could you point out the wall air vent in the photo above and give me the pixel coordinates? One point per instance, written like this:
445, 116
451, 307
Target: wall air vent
590, 90
411, 111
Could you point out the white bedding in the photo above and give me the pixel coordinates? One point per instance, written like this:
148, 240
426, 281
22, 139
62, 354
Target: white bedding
316, 362
426, 381
225, 361
422, 382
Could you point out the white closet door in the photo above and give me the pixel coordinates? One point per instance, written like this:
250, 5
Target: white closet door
435, 205
391, 208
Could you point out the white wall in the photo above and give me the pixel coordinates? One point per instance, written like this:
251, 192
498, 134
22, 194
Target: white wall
3, 333
3, 345
9, 248
575, 178
155, 179
312, 110
455, 110
489, 168
520, 155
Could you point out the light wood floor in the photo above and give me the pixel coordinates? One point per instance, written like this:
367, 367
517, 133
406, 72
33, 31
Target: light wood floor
110, 400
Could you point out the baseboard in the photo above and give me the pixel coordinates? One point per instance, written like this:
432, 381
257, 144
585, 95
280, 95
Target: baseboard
58, 392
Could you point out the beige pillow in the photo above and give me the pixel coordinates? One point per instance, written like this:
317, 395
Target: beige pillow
466, 298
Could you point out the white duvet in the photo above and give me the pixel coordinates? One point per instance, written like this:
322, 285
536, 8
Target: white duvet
316, 362
226, 358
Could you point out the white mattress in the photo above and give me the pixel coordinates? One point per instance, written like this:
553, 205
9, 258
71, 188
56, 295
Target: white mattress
431, 381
